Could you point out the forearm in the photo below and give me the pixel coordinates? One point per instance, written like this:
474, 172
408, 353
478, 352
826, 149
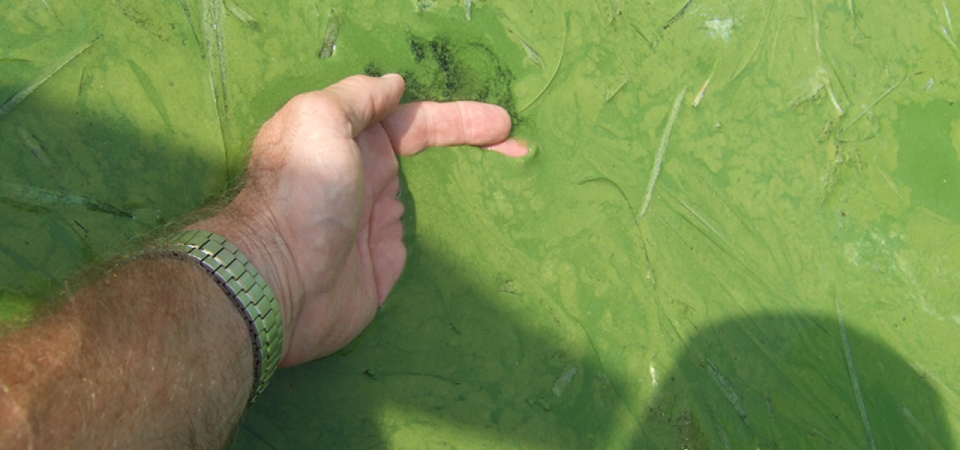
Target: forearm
153, 355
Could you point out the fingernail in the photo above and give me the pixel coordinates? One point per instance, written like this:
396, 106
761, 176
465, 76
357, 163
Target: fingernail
510, 147
391, 75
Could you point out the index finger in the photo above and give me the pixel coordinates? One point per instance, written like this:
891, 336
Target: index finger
416, 126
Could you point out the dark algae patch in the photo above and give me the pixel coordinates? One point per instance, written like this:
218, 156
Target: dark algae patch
444, 69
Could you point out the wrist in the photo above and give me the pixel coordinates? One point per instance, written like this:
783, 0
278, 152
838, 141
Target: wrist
267, 252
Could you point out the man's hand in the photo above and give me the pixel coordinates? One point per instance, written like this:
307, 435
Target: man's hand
153, 354
319, 215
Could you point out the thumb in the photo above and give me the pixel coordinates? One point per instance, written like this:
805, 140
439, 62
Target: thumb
366, 100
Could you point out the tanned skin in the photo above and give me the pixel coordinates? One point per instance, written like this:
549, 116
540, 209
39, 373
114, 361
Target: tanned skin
155, 355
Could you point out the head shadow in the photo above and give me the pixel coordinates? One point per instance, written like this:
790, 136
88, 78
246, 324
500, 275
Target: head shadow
792, 381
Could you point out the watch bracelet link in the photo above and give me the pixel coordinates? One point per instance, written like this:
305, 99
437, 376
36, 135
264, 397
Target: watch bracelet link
248, 290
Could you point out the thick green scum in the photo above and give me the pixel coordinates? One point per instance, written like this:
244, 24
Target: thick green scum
773, 265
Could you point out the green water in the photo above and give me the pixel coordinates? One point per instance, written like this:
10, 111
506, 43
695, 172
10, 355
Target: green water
790, 284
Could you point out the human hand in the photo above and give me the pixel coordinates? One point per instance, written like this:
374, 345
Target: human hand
319, 215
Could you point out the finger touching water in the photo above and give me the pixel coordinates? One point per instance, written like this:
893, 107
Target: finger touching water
416, 126
510, 147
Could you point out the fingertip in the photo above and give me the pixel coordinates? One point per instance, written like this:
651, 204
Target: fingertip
492, 125
503, 116
391, 75
510, 147
395, 77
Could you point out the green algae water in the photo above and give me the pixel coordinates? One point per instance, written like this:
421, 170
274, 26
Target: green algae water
739, 226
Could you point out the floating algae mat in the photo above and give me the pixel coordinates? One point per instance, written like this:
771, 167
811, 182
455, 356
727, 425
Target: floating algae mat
739, 226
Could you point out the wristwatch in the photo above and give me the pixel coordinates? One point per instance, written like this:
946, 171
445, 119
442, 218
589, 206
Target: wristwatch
249, 292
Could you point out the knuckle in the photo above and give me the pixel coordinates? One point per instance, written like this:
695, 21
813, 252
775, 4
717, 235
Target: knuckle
310, 103
314, 108
356, 81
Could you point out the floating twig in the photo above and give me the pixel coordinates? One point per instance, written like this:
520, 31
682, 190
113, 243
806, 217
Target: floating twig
152, 93
216, 52
35, 196
330, 35
242, 15
616, 12
54, 13
854, 380
949, 38
826, 77
756, 48
658, 160
946, 11
564, 380
726, 388
32, 144
610, 95
22, 94
703, 90
531, 53
868, 108
193, 28
603, 179
563, 50
678, 15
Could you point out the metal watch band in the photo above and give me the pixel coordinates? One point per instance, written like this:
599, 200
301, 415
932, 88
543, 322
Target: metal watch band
241, 281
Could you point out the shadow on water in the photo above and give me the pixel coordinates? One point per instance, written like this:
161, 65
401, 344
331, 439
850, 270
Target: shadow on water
447, 356
457, 373
78, 186
477, 377
785, 381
